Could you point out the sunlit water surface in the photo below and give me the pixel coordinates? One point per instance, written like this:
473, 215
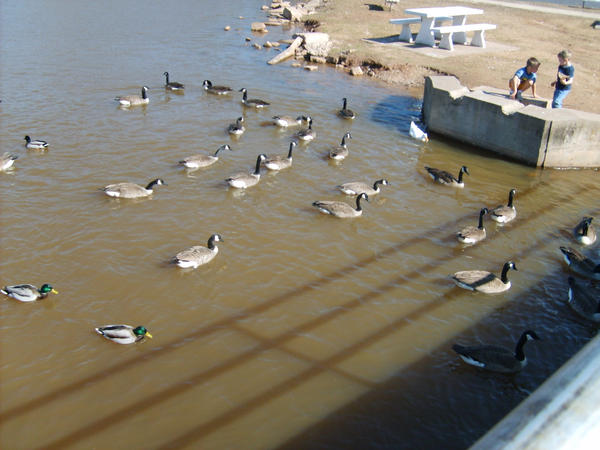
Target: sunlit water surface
306, 330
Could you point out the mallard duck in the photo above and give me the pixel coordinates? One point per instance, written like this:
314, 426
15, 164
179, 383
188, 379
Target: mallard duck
585, 232
134, 100
198, 255
236, 129
172, 85
443, 177
28, 292
246, 180
123, 334
495, 358
345, 112
287, 121
7, 160
307, 134
472, 234
358, 187
252, 102
217, 90
415, 132
484, 281
280, 162
35, 144
131, 190
580, 264
197, 161
583, 302
504, 214
341, 209
341, 151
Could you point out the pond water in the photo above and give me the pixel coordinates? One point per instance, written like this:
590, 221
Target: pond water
306, 331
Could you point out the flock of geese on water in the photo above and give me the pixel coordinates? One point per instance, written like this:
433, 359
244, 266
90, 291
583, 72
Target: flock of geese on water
489, 357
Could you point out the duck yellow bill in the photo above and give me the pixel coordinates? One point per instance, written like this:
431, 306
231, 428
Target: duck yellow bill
54, 291
149, 335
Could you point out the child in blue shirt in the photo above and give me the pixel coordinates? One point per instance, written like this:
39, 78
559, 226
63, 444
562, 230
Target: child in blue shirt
564, 78
523, 79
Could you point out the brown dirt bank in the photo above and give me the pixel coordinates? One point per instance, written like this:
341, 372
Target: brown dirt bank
525, 33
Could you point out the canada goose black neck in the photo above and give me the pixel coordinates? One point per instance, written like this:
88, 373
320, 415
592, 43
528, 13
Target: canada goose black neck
259, 160
527, 335
346, 136
463, 169
345, 103
222, 147
481, 214
292, 145
166, 74
359, 198
507, 266
153, 183
511, 196
211, 241
378, 182
144, 90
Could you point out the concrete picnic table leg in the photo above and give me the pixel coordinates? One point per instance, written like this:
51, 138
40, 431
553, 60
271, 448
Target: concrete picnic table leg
425, 35
459, 37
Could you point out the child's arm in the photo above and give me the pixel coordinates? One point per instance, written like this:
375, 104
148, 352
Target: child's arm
533, 89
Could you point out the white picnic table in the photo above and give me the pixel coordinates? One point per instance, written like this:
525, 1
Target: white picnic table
429, 15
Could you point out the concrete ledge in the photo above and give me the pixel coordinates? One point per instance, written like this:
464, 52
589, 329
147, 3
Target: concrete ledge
531, 134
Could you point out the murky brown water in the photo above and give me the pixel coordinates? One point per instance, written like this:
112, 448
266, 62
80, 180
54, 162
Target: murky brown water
306, 330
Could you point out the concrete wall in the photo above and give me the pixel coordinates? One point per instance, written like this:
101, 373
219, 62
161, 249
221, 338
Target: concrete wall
485, 117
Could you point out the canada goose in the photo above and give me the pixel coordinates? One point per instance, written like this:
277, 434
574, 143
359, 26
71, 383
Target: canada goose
504, 214
341, 209
580, 264
7, 160
585, 232
246, 180
236, 129
252, 102
280, 162
345, 112
583, 302
28, 292
123, 334
35, 144
197, 161
218, 90
172, 85
197, 255
495, 358
131, 190
415, 132
134, 100
287, 121
443, 177
358, 187
483, 281
340, 152
472, 234
307, 134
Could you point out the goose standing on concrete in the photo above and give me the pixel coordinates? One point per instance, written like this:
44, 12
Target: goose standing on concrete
358, 187
252, 102
484, 281
35, 144
7, 160
217, 90
28, 292
246, 180
472, 234
134, 100
416, 133
504, 214
280, 162
131, 190
583, 302
307, 134
495, 358
580, 264
237, 128
123, 334
341, 209
197, 161
585, 232
198, 255
443, 177
341, 151
287, 121
172, 85
346, 113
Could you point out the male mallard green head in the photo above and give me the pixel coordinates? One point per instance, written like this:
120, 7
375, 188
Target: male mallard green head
141, 331
46, 289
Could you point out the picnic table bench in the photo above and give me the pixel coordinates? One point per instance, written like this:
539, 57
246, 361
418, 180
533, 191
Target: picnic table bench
447, 33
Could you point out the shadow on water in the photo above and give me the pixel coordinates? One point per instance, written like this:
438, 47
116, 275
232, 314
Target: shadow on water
397, 111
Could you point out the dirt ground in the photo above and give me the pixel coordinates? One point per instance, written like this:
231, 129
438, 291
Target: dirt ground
361, 30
